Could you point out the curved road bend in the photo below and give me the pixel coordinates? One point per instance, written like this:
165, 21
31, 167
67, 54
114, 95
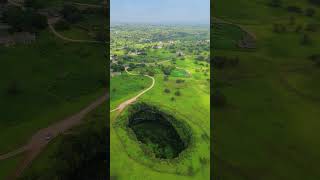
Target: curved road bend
130, 101
40, 139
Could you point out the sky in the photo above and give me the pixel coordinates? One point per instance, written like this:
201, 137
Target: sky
160, 11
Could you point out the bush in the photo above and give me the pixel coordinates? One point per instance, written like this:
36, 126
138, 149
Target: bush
24, 20
62, 25
178, 81
177, 93
101, 36
71, 13
294, 9
219, 99
310, 12
275, 3
316, 2
223, 61
13, 89
167, 90
33, 4
279, 28
312, 27
306, 40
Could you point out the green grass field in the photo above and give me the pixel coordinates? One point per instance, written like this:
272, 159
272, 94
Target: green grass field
125, 87
94, 122
267, 130
42, 83
122, 148
52, 79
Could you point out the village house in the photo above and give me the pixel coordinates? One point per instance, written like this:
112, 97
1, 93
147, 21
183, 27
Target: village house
17, 38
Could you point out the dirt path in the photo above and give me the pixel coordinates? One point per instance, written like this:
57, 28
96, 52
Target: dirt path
15, 3
89, 5
40, 139
50, 24
130, 101
241, 27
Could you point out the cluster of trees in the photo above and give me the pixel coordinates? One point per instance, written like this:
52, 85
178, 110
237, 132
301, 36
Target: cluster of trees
149, 71
3, 1
316, 2
202, 58
315, 58
167, 69
294, 8
177, 93
223, 61
101, 35
283, 28
71, 13
219, 99
82, 156
117, 67
13, 89
62, 25
24, 20
306, 39
33, 4
179, 81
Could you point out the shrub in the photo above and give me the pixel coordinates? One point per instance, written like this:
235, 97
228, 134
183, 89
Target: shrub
62, 25
279, 28
24, 20
178, 81
294, 9
177, 93
316, 2
312, 27
167, 90
34, 4
71, 13
101, 36
310, 12
275, 3
219, 99
306, 40
298, 28
13, 89
223, 61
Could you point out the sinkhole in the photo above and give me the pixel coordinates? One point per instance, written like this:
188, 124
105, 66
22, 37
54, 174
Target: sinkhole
160, 133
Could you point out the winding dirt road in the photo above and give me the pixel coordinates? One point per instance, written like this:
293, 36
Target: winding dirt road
50, 24
40, 139
132, 100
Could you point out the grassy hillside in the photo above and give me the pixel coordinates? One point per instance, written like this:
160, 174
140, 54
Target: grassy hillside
267, 127
175, 145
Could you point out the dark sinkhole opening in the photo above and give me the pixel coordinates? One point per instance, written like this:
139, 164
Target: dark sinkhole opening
162, 135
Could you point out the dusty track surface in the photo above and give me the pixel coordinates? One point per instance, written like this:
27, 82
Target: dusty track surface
50, 24
132, 100
40, 139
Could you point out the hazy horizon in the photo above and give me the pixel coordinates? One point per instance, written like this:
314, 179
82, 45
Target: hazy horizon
160, 12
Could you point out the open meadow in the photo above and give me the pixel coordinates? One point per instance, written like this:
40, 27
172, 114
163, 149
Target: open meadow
160, 89
266, 102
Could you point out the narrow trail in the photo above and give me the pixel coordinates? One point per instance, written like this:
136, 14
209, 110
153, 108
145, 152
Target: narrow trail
240, 26
89, 5
50, 24
15, 3
40, 139
130, 101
